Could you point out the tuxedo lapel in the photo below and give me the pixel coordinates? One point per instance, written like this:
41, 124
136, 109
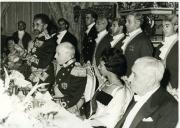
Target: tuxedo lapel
65, 37
144, 112
148, 108
121, 122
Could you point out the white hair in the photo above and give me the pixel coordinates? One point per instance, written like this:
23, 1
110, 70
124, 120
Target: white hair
68, 46
155, 66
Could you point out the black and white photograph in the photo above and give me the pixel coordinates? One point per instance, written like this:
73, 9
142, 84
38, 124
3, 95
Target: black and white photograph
89, 64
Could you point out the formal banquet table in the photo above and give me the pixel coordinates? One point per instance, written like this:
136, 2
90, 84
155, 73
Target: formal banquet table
23, 106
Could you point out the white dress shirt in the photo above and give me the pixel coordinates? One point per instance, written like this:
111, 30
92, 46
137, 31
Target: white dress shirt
167, 45
129, 38
116, 38
89, 27
60, 36
20, 36
140, 102
109, 115
101, 35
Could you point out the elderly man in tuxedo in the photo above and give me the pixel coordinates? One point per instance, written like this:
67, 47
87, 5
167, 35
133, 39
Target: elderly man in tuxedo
152, 106
136, 44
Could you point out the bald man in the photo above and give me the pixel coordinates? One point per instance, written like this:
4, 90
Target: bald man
70, 79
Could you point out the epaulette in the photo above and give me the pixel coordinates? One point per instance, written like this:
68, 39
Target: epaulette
78, 71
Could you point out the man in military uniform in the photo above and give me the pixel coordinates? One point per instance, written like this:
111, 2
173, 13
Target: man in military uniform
41, 51
70, 79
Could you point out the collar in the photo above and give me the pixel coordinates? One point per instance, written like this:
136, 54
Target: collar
102, 33
89, 27
21, 31
138, 98
63, 32
69, 62
167, 45
139, 30
119, 36
169, 39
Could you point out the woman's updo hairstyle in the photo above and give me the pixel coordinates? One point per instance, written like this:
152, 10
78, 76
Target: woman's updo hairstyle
115, 61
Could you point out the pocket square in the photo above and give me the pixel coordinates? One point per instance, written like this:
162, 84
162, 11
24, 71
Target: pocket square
149, 119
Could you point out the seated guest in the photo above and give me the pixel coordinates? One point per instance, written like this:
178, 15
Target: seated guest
9, 52
168, 52
13, 59
112, 98
65, 36
153, 106
70, 82
21, 37
118, 30
10, 45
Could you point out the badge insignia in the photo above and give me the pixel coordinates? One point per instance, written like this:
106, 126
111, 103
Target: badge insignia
131, 48
64, 85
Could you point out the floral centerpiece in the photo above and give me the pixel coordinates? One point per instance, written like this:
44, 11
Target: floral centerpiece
34, 110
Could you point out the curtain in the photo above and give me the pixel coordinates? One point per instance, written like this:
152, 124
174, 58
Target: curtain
4, 7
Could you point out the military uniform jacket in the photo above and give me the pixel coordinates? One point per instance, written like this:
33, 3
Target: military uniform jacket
45, 53
89, 44
71, 85
139, 46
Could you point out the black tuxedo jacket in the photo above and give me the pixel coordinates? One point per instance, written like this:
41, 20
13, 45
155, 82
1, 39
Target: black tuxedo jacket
68, 37
89, 44
171, 72
139, 46
161, 107
119, 44
25, 40
103, 45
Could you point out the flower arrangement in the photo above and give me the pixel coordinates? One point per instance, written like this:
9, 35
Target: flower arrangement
34, 110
